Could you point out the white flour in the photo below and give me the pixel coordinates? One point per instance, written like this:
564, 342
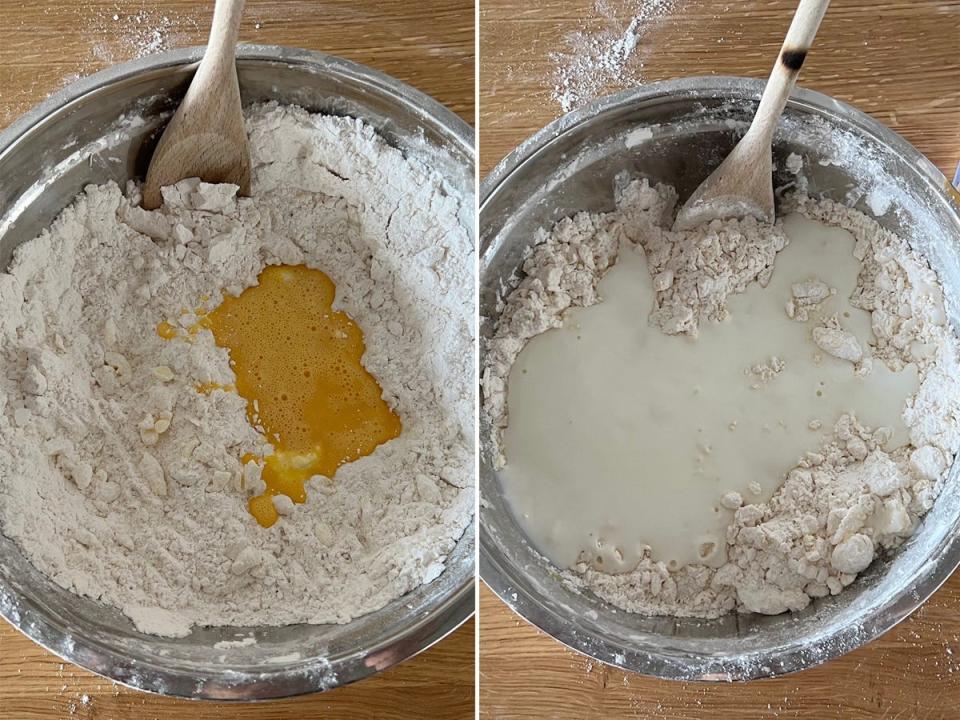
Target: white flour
595, 60
125, 35
845, 502
123, 483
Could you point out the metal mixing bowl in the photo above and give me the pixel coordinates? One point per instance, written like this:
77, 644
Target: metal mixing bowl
94, 131
681, 130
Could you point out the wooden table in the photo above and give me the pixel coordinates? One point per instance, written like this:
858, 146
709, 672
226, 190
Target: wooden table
900, 62
897, 60
44, 44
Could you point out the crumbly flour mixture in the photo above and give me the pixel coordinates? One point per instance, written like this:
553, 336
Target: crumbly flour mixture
847, 501
123, 483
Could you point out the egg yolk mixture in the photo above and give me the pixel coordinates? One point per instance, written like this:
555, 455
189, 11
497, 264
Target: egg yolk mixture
167, 331
297, 363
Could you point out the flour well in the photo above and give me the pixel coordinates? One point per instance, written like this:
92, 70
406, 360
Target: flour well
858, 489
123, 483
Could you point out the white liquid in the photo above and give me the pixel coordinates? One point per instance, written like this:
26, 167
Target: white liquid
621, 436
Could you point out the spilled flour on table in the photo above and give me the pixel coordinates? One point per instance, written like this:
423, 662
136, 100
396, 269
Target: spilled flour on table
124, 35
107, 35
123, 483
848, 499
594, 60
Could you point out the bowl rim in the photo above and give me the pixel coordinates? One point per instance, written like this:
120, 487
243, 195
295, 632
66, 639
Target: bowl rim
246, 52
497, 572
297, 677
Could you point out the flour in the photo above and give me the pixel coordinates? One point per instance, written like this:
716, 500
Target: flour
846, 501
807, 296
594, 60
123, 483
122, 36
694, 272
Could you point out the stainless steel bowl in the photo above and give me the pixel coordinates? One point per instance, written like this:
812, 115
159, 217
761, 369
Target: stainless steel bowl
692, 124
99, 129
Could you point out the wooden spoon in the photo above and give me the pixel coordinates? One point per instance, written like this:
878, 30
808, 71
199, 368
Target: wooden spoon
206, 137
743, 184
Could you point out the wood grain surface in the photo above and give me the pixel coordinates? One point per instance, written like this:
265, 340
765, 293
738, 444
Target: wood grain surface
35, 685
898, 61
43, 45
911, 673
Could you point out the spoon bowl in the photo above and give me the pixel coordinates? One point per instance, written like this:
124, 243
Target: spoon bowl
206, 138
742, 185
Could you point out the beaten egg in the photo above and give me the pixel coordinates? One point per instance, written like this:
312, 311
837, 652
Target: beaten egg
298, 364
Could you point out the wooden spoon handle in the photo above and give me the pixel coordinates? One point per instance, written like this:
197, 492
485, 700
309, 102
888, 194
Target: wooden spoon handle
803, 28
224, 31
